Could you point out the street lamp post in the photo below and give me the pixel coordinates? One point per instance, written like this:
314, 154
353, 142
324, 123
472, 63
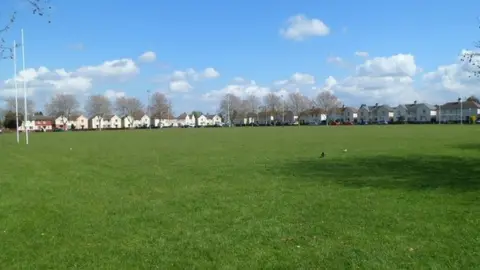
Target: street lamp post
439, 114
148, 109
461, 111
228, 111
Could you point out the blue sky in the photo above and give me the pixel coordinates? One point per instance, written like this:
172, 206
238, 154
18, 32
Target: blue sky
243, 39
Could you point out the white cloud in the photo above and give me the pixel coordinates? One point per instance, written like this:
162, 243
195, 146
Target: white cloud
114, 68
399, 65
182, 80
457, 79
335, 60
210, 73
191, 74
338, 61
241, 89
361, 54
147, 57
239, 80
180, 86
298, 79
382, 79
113, 94
79, 80
300, 27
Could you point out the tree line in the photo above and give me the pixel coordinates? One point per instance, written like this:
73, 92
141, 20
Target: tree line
66, 105
232, 105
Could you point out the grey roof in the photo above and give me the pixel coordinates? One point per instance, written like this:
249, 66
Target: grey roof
464, 105
430, 106
386, 107
352, 109
42, 118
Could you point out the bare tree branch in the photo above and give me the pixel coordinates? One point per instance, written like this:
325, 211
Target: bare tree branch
159, 105
129, 106
298, 103
98, 105
10, 105
273, 102
230, 106
39, 7
252, 104
327, 102
62, 105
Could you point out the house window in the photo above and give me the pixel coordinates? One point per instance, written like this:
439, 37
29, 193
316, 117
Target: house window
424, 111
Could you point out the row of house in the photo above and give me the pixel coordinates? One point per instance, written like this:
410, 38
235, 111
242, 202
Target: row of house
78, 121
414, 112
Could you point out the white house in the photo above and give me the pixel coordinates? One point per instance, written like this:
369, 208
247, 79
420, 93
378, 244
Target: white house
456, 111
78, 121
425, 112
213, 119
96, 122
400, 113
367, 113
127, 121
28, 125
186, 120
112, 121
384, 113
313, 116
141, 121
415, 112
108, 121
61, 122
145, 120
350, 114
202, 120
336, 115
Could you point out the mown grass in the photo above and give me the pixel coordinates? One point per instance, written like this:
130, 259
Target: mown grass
250, 198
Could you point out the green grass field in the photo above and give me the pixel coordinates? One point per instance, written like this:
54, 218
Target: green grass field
243, 198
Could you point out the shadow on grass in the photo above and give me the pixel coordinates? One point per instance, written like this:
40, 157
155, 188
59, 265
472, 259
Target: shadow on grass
411, 173
468, 146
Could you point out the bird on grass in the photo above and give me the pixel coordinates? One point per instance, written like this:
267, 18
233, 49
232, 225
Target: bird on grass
322, 155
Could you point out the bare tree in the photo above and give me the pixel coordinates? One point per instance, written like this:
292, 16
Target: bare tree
252, 103
230, 106
98, 105
38, 7
273, 102
327, 102
298, 103
159, 106
62, 105
10, 105
129, 106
